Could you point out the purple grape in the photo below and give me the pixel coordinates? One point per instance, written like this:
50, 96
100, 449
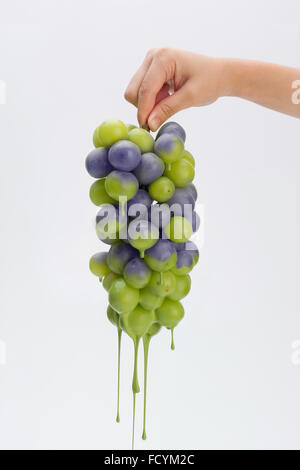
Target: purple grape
124, 155
184, 258
97, 163
162, 256
191, 189
195, 222
118, 256
182, 197
136, 273
187, 258
172, 128
139, 205
191, 247
184, 263
141, 197
179, 246
169, 147
160, 214
149, 169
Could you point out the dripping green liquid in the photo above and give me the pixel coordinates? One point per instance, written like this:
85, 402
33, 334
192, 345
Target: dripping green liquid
146, 342
135, 384
119, 364
172, 339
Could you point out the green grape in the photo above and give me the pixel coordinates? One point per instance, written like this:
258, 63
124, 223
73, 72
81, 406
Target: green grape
111, 131
162, 284
154, 329
109, 279
96, 139
189, 157
98, 194
121, 184
161, 189
178, 229
122, 297
181, 172
142, 235
182, 288
182, 271
140, 320
98, 264
148, 300
142, 139
170, 313
137, 322
113, 316
130, 127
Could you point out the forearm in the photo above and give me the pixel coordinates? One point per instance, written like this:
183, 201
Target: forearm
270, 85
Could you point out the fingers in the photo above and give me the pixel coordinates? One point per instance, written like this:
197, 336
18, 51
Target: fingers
148, 85
131, 92
163, 93
181, 99
153, 82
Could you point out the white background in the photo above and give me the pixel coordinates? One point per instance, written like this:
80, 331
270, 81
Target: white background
230, 383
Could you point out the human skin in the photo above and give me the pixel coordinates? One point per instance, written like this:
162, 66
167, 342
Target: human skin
200, 80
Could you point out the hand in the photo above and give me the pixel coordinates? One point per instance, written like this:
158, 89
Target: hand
197, 81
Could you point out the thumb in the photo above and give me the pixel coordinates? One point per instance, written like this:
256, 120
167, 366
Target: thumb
167, 107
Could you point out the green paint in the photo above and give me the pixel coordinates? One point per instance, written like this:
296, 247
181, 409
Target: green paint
119, 364
135, 382
146, 342
172, 339
133, 421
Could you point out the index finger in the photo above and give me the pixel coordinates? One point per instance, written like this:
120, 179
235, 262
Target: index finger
131, 92
152, 83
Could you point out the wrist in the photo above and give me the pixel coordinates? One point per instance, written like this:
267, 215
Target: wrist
229, 77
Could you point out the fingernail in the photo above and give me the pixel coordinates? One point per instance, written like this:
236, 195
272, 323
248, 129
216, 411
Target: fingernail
153, 123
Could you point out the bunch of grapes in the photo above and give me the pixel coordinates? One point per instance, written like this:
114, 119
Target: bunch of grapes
146, 215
